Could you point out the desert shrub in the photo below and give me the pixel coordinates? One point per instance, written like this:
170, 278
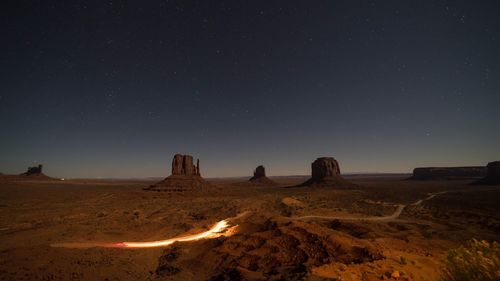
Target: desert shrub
476, 261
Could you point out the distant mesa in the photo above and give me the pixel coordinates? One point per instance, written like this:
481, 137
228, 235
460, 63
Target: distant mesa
185, 176
492, 174
448, 173
259, 177
325, 171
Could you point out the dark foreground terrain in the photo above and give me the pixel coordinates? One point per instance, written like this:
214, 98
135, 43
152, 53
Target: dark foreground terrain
371, 231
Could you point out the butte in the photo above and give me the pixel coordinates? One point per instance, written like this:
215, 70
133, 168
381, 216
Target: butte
185, 176
325, 172
260, 178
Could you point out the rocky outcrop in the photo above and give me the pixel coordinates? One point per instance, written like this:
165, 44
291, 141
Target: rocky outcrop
325, 171
185, 176
448, 173
492, 174
266, 249
32, 173
33, 170
259, 177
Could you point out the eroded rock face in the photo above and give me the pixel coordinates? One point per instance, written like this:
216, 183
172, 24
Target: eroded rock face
443, 173
185, 176
183, 165
325, 167
326, 171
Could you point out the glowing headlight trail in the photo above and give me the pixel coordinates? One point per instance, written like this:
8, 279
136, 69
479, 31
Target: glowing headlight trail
222, 228
216, 231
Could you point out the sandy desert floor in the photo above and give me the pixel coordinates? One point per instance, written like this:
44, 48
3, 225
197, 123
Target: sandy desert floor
367, 232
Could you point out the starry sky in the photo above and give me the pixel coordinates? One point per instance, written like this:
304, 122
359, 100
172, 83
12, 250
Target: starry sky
116, 88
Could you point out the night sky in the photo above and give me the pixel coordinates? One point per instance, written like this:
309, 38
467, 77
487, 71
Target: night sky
116, 88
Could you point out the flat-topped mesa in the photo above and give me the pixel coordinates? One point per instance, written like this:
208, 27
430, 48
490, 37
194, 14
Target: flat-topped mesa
259, 177
185, 176
492, 174
448, 173
325, 171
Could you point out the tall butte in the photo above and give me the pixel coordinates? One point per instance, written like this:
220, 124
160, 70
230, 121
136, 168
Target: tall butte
185, 176
259, 177
325, 172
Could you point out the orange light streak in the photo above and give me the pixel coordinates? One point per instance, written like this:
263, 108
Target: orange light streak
222, 228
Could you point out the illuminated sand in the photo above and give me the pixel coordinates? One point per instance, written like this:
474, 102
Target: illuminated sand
85, 222
222, 228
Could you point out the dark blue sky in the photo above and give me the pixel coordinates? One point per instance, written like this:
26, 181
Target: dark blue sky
116, 88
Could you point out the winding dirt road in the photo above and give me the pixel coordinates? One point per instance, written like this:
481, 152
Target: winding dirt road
393, 216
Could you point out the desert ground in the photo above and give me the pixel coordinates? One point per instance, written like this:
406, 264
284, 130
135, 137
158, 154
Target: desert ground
383, 228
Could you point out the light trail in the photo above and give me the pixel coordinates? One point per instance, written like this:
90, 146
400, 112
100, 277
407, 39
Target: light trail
217, 230
222, 228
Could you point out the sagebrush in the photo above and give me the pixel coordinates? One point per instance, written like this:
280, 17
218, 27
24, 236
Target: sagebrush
476, 261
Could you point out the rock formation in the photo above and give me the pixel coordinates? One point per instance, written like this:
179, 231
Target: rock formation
492, 174
448, 173
325, 171
185, 176
183, 165
259, 172
265, 249
33, 173
259, 177
33, 170
325, 167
